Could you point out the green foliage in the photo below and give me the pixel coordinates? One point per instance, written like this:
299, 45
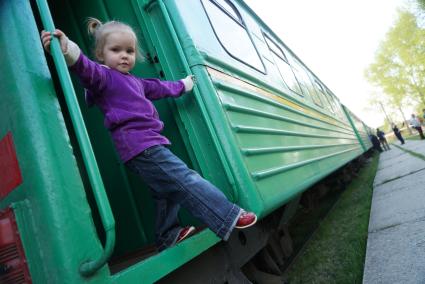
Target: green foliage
336, 252
421, 4
399, 66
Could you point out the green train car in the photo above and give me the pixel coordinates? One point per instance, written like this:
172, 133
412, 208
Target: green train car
259, 125
362, 130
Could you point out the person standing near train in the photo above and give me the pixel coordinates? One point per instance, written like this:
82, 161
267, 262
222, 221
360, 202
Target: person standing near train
416, 124
135, 126
375, 142
397, 133
382, 139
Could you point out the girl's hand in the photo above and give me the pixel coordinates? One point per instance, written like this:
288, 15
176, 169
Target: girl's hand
189, 82
46, 38
70, 50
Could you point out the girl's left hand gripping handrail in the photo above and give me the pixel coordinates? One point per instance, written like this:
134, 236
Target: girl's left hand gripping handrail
90, 267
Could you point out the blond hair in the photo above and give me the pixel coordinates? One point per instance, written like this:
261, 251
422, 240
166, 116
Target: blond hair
100, 32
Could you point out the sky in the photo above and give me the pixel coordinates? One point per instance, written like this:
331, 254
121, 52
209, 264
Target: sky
337, 40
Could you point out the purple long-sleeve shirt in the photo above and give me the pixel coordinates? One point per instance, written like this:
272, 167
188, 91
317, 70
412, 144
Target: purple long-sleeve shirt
125, 101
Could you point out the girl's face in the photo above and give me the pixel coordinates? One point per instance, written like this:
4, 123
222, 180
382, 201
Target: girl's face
119, 52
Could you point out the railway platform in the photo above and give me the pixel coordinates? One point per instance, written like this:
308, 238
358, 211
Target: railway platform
396, 236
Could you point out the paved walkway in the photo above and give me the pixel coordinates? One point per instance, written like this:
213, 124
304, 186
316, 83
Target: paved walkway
396, 241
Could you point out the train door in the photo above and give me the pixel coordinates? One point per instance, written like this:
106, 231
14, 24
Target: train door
131, 202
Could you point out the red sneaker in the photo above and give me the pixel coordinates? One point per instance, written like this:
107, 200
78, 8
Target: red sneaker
185, 233
246, 219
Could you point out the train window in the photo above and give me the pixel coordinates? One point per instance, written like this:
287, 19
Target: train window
282, 64
324, 96
229, 10
231, 32
335, 103
275, 48
332, 103
305, 82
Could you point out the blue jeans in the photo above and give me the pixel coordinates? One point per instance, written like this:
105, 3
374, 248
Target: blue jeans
173, 184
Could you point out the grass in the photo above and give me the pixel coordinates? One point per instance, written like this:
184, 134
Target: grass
337, 250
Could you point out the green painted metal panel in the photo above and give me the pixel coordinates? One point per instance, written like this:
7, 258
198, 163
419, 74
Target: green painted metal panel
360, 128
354, 125
160, 265
365, 135
300, 146
251, 116
55, 223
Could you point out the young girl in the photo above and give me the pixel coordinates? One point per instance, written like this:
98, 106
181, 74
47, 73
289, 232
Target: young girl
133, 121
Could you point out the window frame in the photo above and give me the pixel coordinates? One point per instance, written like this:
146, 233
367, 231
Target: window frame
284, 57
336, 103
325, 96
239, 20
304, 77
242, 24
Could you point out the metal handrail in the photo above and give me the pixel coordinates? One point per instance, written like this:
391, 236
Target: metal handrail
91, 266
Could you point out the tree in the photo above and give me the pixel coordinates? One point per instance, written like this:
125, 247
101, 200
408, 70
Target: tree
421, 4
399, 66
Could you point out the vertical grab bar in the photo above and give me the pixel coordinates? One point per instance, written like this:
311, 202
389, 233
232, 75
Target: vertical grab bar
91, 266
